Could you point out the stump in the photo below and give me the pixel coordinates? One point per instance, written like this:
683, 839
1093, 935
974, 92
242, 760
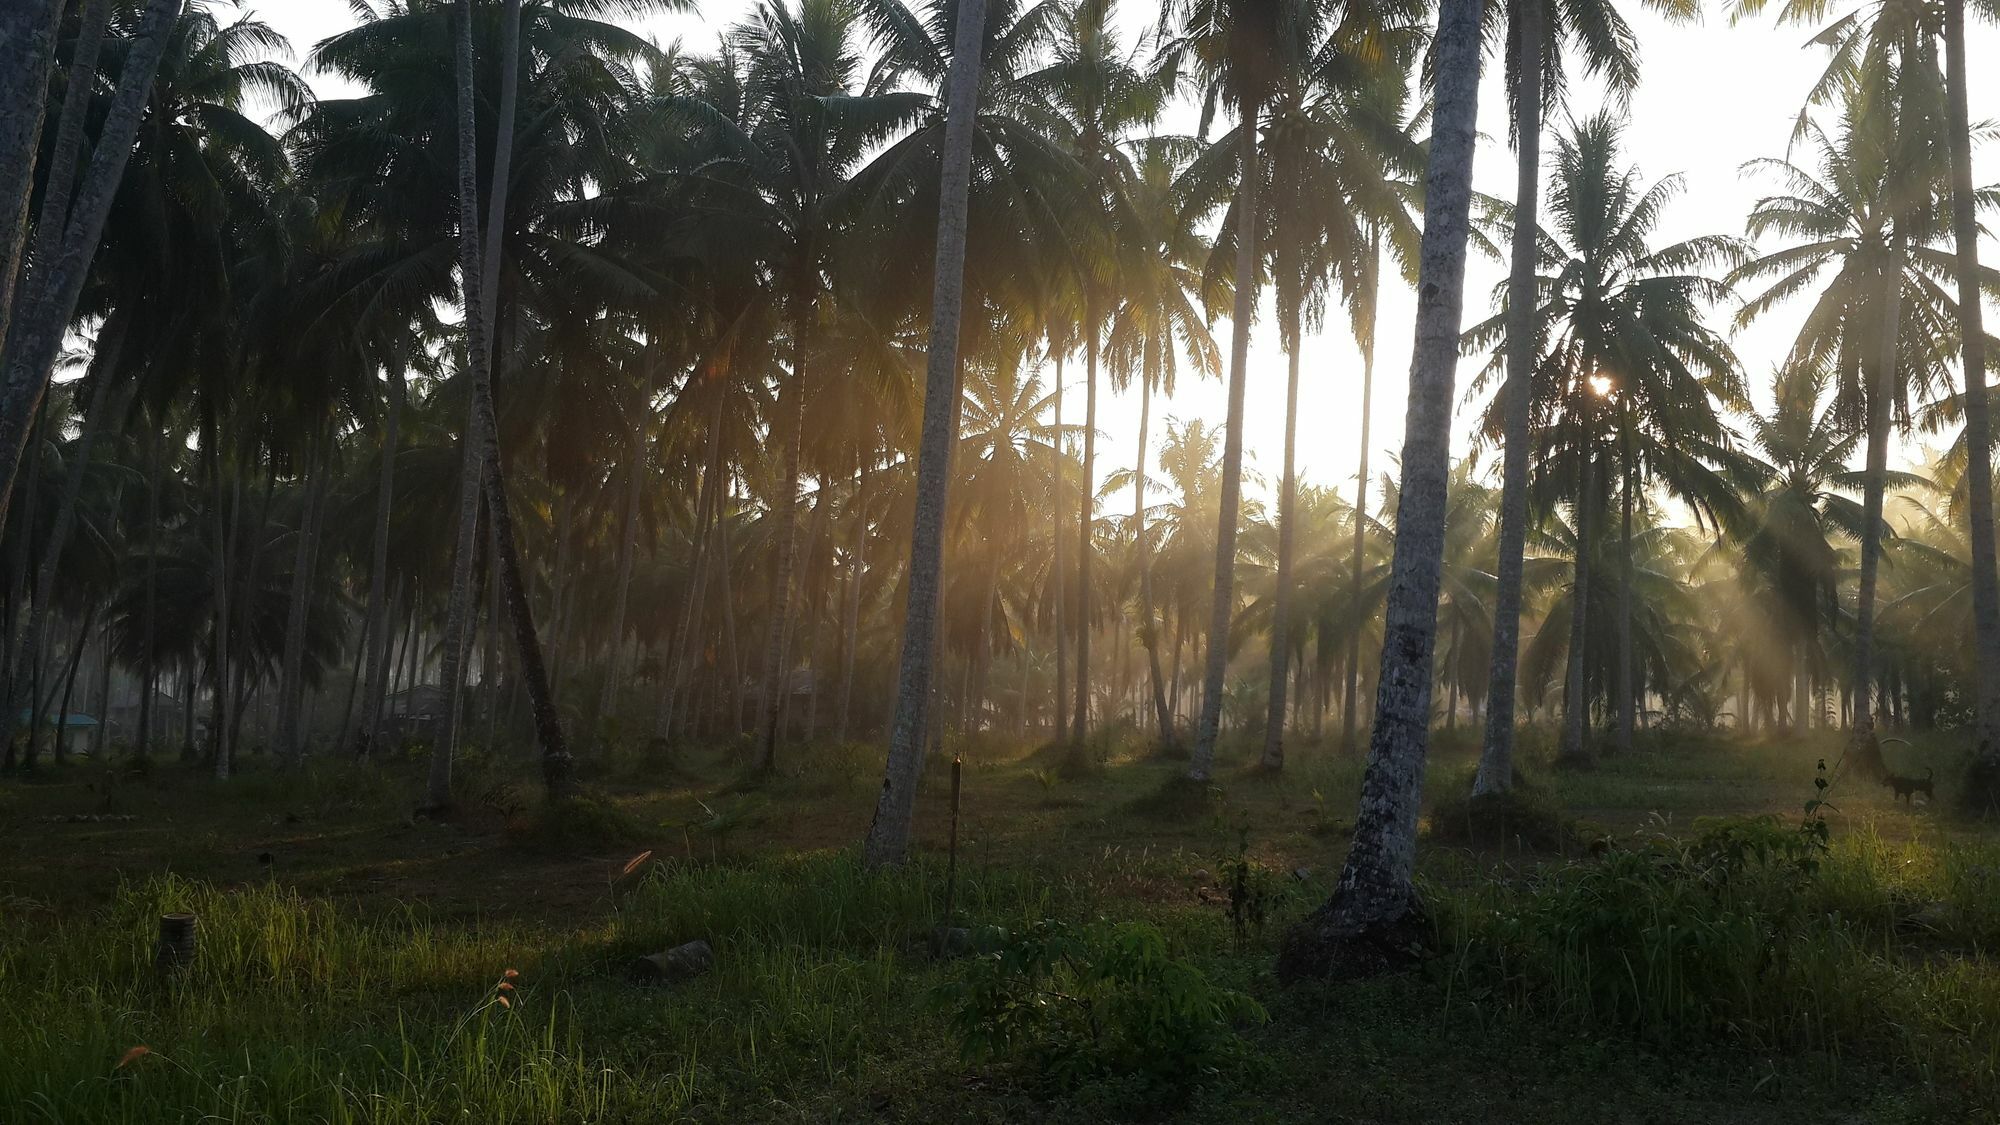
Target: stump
672, 966
175, 949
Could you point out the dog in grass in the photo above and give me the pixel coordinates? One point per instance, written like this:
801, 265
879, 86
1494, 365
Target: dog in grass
1908, 787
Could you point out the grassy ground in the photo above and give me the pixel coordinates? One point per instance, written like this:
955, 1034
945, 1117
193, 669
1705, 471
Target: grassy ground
352, 956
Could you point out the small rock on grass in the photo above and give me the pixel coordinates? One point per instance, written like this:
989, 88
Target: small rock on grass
672, 966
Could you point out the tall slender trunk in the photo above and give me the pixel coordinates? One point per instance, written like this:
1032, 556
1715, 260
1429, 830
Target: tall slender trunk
149, 609
1149, 625
628, 548
1349, 704
1628, 482
889, 835
1061, 572
1374, 915
1086, 511
1223, 607
291, 691
79, 89
1496, 755
1881, 394
688, 631
218, 567
1281, 601
34, 337
1576, 699
375, 625
850, 628
789, 437
69, 681
1983, 788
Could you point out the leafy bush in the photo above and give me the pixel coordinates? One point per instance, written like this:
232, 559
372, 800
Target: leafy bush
1096, 1001
1525, 816
581, 825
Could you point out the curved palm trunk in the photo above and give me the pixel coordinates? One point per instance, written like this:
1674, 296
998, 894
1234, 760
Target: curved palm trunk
1149, 627
376, 626
888, 839
1223, 608
1576, 701
1086, 509
79, 87
1983, 788
1281, 609
1496, 755
1349, 705
1374, 915
34, 338
482, 429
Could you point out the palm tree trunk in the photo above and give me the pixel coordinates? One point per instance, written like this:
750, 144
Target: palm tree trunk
1349, 705
1149, 625
149, 611
1881, 394
69, 681
34, 339
888, 839
291, 688
1374, 914
850, 629
1086, 510
1061, 572
375, 625
79, 88
1281, 603
1223, 608
27, 58
1630, 481
1983, 786
218, 567
628, 547
1576, 700
788, 437
1496, 754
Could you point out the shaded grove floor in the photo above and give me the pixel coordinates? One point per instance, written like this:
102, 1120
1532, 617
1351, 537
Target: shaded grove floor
817, 1019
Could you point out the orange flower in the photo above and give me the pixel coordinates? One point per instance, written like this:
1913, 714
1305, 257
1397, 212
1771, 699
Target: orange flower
632, 864
510, 974
504, 1002
133, 1055
505, 987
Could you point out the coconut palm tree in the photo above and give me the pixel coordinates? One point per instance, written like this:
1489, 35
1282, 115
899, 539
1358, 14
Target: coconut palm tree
1373, 914
888, 838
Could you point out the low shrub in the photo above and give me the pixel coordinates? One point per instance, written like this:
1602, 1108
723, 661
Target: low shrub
1092, 1002
1524, 816
581, 825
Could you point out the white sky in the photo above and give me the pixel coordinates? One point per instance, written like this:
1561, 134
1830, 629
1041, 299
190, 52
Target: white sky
1713, 96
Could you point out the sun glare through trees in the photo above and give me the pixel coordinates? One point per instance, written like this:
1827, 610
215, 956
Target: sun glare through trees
811, 560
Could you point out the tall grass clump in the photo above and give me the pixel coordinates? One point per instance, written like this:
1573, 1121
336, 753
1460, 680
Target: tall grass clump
1754, 931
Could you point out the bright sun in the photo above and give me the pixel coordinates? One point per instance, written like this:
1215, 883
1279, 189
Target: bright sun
1600, 385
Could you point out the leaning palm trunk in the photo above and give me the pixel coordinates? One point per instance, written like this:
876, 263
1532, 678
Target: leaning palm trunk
1281, 604
1983, 786
1576, 700
1496, 755
888, 839
1223, 608
80, 85
49, 297
375, 627
27, 57
1349, 704
1149, 625
1374, 917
